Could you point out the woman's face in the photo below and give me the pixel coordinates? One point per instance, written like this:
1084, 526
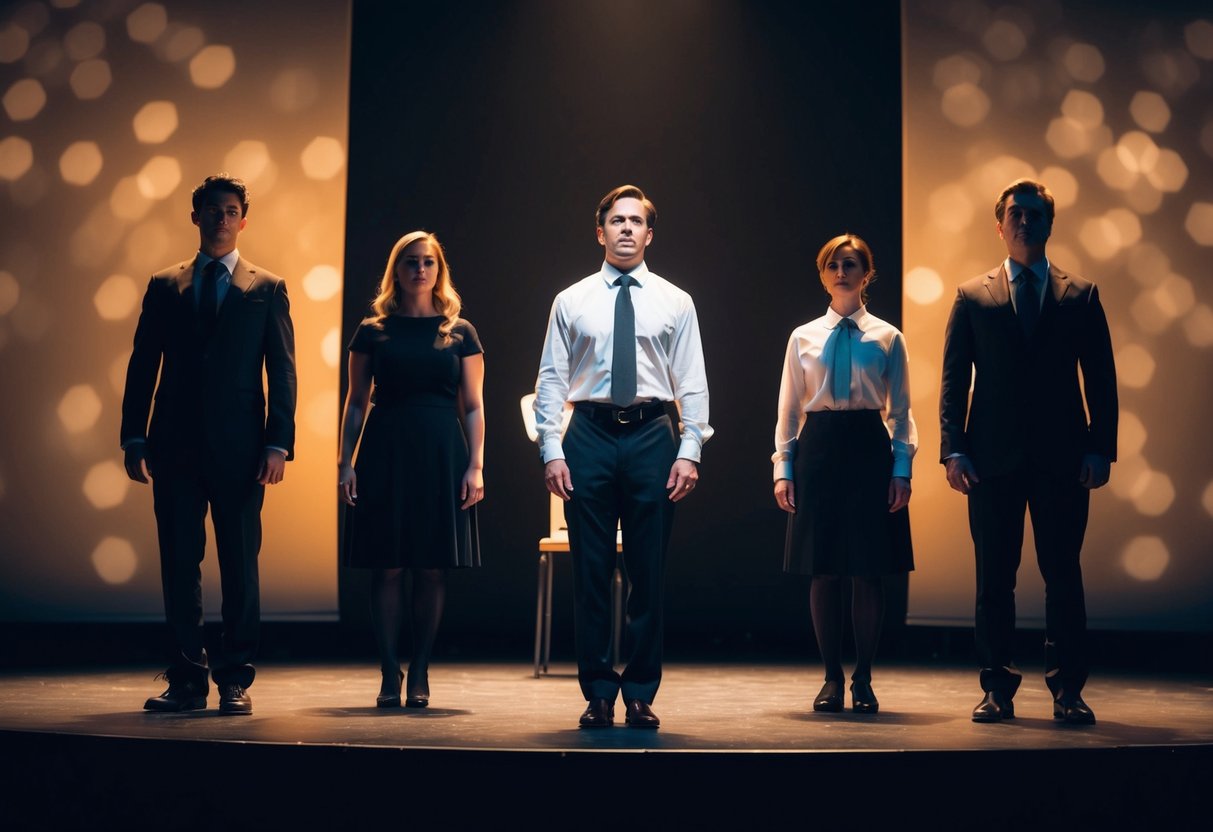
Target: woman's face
844, 276
417, 268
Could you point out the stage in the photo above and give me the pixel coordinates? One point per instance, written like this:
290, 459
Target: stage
738, 743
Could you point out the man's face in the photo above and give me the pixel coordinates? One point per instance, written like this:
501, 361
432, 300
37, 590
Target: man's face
625, 233
219, 222
1025, 228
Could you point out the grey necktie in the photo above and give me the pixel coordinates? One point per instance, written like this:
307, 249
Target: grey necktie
208, 302
840, 370
1027, 301
623, 356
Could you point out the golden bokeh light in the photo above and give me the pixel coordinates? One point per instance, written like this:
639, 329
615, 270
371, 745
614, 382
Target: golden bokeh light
1084, 62
1067, 137
950, 208
955, 69
1128, 225
1128, 470
14, 41
965, 104
330, 347
250, 158
1206, 499
1100, 237
1169, 173
84, 40
1198, 326
992, 177
1137, 152
1145, 558
1131, 436
1110, 167
1146, 261
180, 42
1150, 318
90, 79
116, 298
16, 158
321, 414
212, 67
159, 177
293, 90
24, 99
1062, 184
1198, 37
1173, 72
322, 282
1134, 366
1083, 107
80, 163
106, 485
923, 286
323, 158
127, 200
1150, 110
10, 292
1004, 40
1199, 223
115, 560
147, 23
1062, 254
1175, 295
155, 122
79, 409
149, 243
1142, 196
1153, 494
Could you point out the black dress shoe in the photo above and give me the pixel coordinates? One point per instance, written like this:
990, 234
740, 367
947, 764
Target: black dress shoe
599, 713
829, 698
418, 688
188, 695
994, 707
234, 699
1073, 711
640, 715
863, 700
389, 690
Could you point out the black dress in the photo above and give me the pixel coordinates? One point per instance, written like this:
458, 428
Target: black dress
414, 453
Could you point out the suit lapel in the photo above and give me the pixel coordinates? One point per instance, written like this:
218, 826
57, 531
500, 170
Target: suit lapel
242, 280
999, 286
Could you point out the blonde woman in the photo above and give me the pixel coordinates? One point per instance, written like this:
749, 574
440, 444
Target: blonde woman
411, 495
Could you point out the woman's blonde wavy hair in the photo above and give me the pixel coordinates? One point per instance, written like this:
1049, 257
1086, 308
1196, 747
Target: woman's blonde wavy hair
446, 299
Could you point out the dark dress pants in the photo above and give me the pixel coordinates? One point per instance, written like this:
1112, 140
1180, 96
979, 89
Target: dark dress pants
619, 474
182, 494
1058, 506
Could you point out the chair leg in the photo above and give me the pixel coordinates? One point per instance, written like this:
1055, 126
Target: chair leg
539, 607
617, 597
547, 616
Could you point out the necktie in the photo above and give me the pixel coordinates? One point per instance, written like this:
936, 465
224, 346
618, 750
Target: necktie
208, 303
623, 357
1027, 301
841, 367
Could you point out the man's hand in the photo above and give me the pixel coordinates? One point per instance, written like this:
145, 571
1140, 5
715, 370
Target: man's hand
273, 466
683, 476
899, 494
347, 484
558, 480
962, 476
136, 462
1094, 471
785, 495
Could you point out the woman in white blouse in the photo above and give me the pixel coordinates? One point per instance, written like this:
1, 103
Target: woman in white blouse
844, 441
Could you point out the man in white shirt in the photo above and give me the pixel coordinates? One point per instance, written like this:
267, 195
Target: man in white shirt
1018, 335
623, 347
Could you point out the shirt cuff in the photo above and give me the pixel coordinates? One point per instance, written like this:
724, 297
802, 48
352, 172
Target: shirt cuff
283, 451
690, 449
902, 468
783, 471
551, 449
134, 440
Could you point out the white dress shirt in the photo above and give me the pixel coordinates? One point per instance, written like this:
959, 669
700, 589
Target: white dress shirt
576, 361
880, 370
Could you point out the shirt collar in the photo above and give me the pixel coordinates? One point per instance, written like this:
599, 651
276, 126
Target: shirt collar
610, 274
229, 260
1040, 268
860, 317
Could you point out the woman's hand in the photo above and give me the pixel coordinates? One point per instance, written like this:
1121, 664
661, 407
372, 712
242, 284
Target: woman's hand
899, 494
472, 490
347, 484
785, 495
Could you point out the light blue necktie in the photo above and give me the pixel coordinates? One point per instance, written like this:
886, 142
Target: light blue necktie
840, 370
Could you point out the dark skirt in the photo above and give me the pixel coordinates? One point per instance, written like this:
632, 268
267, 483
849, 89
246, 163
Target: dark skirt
842, 524
410, 467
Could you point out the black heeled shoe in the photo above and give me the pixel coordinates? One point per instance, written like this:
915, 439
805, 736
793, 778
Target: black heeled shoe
863, 700
830, 697
418, 694
389, 691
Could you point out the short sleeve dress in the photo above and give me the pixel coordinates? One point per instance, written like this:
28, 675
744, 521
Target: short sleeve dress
413, 454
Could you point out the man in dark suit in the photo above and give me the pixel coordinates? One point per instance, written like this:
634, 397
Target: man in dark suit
209, 327
1026, 328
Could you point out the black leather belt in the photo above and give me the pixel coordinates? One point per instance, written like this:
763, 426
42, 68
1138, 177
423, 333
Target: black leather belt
610, 414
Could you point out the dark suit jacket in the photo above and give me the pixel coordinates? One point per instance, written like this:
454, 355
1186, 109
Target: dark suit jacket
1027, 402
210, 402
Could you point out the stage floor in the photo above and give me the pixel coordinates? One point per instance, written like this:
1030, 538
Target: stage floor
703, 708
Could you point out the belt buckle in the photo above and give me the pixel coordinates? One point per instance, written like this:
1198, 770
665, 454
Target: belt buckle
620, 414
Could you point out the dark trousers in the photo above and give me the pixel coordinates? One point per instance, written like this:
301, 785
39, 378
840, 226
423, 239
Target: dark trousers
1058, 506
619, 474
182, 495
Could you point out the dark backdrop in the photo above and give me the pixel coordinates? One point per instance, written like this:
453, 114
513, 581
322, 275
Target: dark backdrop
759, 129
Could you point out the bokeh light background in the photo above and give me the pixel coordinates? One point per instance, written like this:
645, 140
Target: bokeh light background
110, 113
1111, 105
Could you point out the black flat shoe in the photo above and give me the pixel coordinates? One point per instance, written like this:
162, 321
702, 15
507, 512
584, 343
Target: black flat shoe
389, 691
863, 700
829, 698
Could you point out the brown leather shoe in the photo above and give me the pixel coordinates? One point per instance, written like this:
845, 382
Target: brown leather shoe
599, 713
640, 715
233, 699
185, 695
